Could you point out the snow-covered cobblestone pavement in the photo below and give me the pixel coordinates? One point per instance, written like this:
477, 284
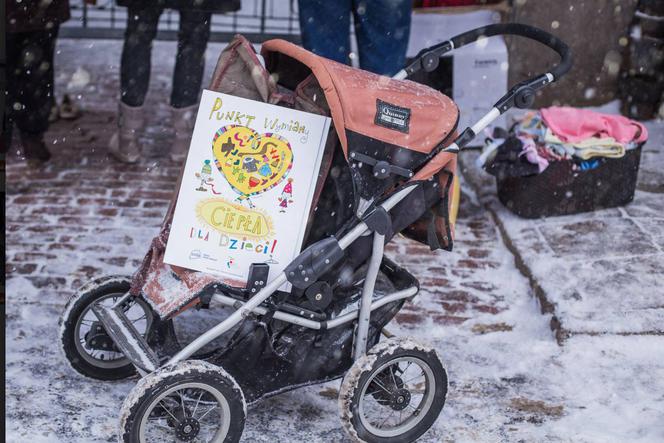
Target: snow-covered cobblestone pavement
84, 215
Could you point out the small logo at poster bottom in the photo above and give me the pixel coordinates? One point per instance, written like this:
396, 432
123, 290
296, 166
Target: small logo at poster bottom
196, 254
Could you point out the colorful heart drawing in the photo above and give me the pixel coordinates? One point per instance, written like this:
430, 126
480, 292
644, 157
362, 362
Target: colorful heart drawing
252, 163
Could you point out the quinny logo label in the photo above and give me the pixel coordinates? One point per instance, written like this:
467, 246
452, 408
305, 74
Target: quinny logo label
393, 113
392, 116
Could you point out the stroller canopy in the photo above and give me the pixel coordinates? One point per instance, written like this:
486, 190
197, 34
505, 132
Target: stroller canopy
355, 97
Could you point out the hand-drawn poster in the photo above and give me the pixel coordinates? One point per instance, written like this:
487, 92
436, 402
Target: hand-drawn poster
247, 186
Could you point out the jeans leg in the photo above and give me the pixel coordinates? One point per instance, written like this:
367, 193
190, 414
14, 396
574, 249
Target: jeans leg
382, 28
30, 73
325, 27
135, 63
193, 38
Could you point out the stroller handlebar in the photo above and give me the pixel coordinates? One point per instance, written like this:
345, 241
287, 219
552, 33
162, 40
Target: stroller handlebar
526, 31
521, 95
429, 58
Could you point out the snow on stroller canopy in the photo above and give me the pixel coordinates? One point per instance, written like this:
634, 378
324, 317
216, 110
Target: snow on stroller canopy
353, 96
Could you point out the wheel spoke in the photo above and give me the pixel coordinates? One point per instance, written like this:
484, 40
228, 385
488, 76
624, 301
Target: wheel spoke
386, 418
184, 411
169, 412
407, 366
142, 317
381, 386
421, 374
158, 421
193, 414
413, 407
207, 412
394, 380
417, 391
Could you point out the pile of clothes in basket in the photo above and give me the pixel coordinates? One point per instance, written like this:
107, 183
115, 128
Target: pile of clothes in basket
582, 137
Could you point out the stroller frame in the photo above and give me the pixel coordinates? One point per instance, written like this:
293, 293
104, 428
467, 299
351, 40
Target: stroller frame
373, 218
363, 314
146, 361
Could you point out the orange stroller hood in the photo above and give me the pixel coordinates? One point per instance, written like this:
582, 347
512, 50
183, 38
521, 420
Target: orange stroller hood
353, 96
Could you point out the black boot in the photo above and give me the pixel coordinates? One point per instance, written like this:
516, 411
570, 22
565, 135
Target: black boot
34, 147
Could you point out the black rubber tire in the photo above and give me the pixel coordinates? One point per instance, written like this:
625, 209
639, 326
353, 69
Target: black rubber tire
360, 373
77, 304
198, 371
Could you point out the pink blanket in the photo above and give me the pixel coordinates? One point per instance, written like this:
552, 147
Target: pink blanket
574, 125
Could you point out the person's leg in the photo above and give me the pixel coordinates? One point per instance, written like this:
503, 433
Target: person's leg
193, 38
382, 28
135, 66
12, 53
135, 63
325, 27
32, 97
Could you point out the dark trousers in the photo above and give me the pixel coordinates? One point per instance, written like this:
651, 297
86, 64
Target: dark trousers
382, 28
193, 37
29, 96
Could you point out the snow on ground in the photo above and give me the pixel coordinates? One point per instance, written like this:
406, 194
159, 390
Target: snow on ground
512, 384
509, 379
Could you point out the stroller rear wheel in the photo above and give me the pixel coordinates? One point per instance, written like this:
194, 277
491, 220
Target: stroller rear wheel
189, 401
393, 393
85, 343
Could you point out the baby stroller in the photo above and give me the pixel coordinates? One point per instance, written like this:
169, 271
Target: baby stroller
388, 168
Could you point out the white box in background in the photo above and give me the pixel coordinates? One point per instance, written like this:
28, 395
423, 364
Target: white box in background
479, 69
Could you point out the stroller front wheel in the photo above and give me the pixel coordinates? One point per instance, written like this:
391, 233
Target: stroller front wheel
393, 393
190, 401
83, 340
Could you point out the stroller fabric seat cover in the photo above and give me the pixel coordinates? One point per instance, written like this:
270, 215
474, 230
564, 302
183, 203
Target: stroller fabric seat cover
416, 117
